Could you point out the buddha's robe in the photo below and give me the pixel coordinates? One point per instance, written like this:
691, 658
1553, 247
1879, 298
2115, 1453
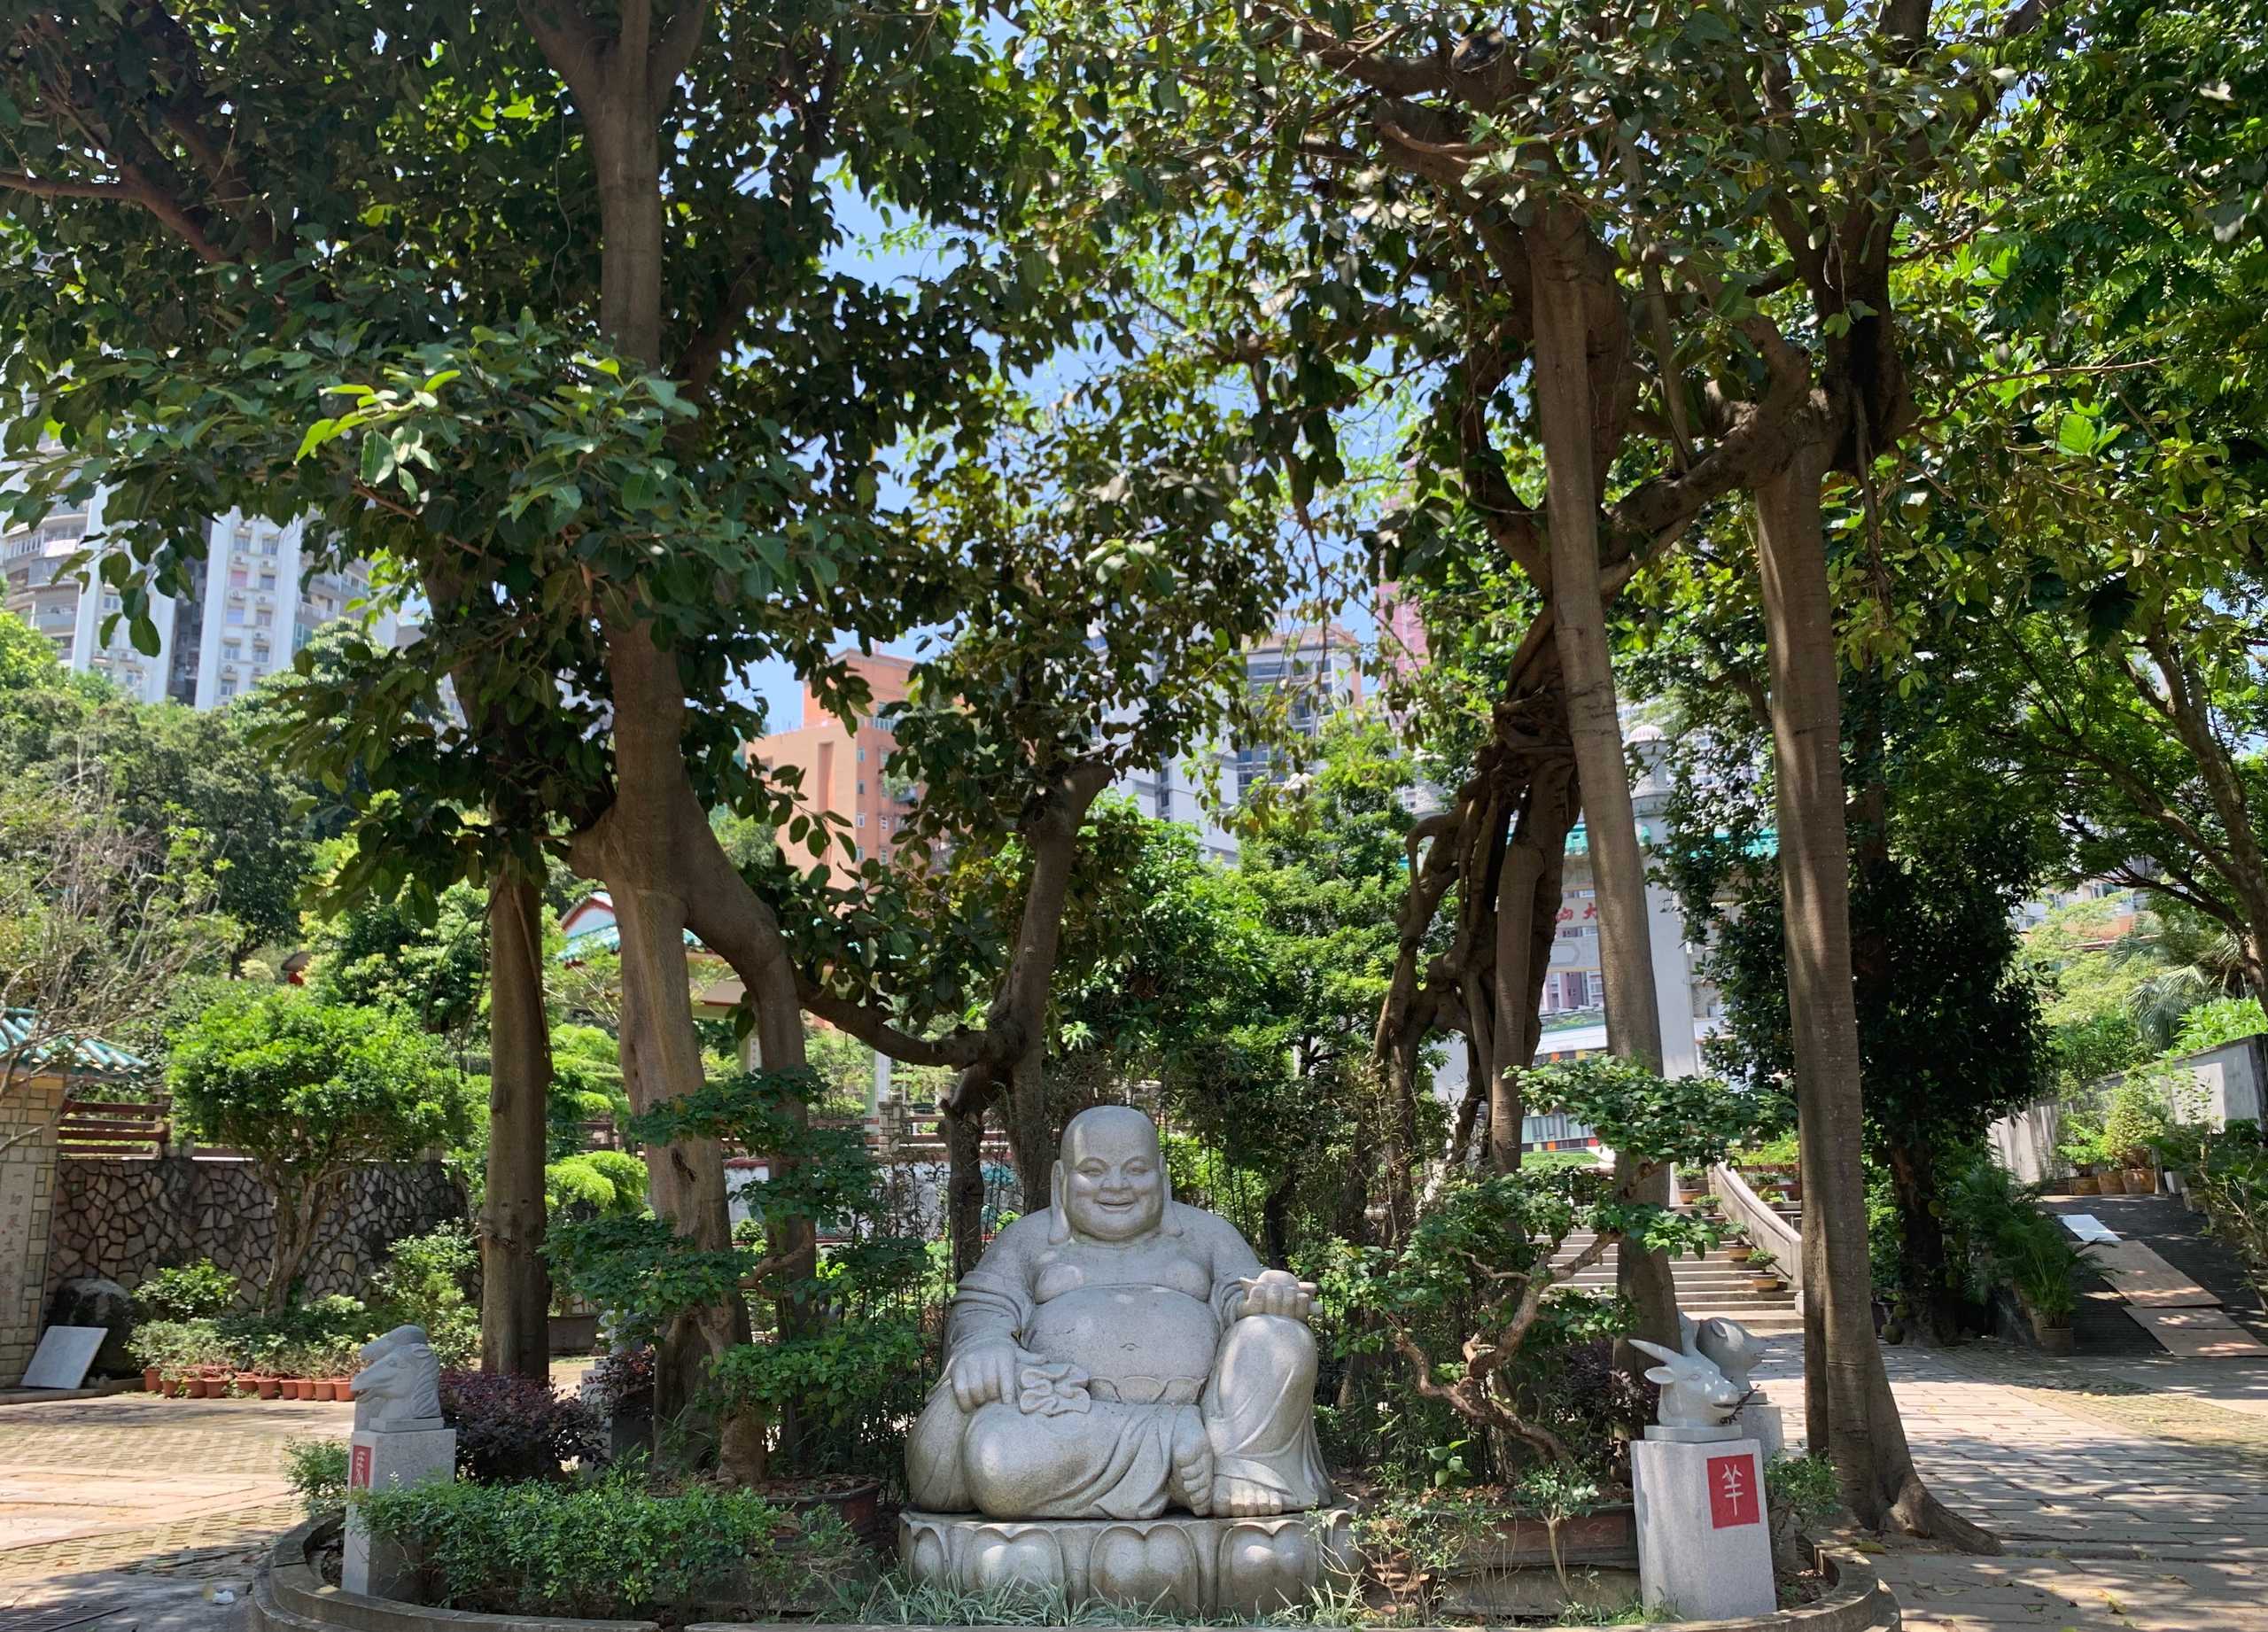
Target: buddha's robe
1151, 1391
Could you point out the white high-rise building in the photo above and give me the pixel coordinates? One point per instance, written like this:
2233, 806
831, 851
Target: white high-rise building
251, 605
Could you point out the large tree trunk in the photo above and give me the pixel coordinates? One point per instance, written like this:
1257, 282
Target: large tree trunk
1527, 922
1849, 1409
1565, 411
515, 1287
963, 1126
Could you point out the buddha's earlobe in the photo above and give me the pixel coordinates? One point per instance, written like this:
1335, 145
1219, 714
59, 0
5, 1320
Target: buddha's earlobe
1059, 1229
1167, 1224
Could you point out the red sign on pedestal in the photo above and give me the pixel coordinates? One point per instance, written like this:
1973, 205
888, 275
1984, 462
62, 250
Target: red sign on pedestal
1732, 1492
358, 1468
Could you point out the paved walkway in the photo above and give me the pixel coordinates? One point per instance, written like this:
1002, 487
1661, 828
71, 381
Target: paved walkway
157, 1506
2131, 1493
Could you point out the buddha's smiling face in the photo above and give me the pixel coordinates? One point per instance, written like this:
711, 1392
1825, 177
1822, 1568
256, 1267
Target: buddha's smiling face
1112, 1179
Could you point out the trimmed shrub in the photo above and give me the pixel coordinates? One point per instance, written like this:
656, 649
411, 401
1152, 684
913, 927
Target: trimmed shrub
511, 1428
608, 1549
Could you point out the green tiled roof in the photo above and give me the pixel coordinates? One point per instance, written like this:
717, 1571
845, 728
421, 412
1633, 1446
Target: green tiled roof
88, 1056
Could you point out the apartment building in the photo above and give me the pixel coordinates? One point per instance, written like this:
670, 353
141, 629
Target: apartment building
251, 603
842, 766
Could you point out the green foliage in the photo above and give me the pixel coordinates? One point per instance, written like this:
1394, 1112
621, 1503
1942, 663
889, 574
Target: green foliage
1802, 1487
426, 1282
2012, 1242
607, 1548
2138, 1114
305, 1089
382, 954
594, 1184
835, 1376
2221, 1020
316, 1469
184, 1292
2225, 1170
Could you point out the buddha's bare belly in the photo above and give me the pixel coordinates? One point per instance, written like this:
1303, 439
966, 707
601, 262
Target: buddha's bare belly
1142, 1343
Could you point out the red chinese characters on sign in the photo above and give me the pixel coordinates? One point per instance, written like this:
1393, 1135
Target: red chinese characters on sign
1732, 1492
358, 1469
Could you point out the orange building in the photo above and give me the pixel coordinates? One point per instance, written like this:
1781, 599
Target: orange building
843, 769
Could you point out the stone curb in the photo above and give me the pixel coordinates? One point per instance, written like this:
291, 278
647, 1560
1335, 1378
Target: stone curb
287, 1595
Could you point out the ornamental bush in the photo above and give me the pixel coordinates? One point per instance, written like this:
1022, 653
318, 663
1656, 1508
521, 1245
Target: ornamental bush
185, 1292
307, 1089
607, 1548
511, 1428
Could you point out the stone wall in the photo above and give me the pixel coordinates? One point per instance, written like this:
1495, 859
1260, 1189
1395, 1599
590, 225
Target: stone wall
28, 1112
122, 1218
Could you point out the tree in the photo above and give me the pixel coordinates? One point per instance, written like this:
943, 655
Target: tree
421, 174
307, 1090
1950, 1033
100, 922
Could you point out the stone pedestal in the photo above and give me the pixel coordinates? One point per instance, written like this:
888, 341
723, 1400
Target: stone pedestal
1177, 1562
383, 1459
1704, 1545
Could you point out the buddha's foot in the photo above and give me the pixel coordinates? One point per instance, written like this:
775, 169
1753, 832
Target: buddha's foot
1245, 1498
1190, 1482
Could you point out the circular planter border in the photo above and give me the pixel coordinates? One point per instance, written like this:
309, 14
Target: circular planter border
290, 1595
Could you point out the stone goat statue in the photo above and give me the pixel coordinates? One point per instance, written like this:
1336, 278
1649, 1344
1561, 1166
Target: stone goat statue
400, 1385
1696, 1392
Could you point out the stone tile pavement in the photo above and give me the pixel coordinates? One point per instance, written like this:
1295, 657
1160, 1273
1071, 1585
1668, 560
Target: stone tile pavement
2129, 1494
158, 1507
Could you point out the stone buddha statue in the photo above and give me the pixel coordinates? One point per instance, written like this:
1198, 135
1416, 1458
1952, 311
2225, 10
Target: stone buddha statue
1119, 1354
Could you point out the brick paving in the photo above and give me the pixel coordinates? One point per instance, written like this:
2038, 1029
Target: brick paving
137, 1485
2127, 1497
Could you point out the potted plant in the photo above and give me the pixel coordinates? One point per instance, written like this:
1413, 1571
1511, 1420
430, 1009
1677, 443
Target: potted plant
1739, 1250
342, 1358
156, 1346
299, 1362
2136, 1116
1709, 1203
1763, 1269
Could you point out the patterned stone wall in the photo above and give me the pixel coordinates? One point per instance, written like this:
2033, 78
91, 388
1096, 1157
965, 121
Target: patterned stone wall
122, 1218
28, 1112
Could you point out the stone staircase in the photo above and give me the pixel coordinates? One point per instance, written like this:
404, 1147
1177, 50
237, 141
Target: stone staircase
1706, 1287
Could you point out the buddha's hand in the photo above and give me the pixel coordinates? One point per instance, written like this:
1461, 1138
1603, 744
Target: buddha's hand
1279, 1292
984, 1372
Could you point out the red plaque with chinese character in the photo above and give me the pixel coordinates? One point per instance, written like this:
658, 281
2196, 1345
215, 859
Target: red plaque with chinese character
358, 1469
1732, 1492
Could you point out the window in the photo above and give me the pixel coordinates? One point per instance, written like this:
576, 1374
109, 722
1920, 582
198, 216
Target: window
228, 688
862, 756
231, 650
109, 603
236, 615
238, 577
268, 579
862, 787
862, 819
264, 618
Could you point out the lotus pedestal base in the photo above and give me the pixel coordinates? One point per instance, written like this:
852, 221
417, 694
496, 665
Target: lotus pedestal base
1178, 1561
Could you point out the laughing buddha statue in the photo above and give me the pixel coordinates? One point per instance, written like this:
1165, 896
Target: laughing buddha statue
1119, 1354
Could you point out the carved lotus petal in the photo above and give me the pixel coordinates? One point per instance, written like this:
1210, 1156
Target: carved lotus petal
1027, 1559
1266, 1567
1153, 1568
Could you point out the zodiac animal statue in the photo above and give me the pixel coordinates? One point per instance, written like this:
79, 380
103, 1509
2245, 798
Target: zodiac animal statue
400, 1385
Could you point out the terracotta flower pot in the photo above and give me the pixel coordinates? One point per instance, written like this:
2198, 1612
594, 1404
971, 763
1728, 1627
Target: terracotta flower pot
2087, 1185
269, 1388
1738, 1253
153, 1378
194, 1387
2111, 1182
324, 1387
342, 1389
1764, 1283
2141, 1182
